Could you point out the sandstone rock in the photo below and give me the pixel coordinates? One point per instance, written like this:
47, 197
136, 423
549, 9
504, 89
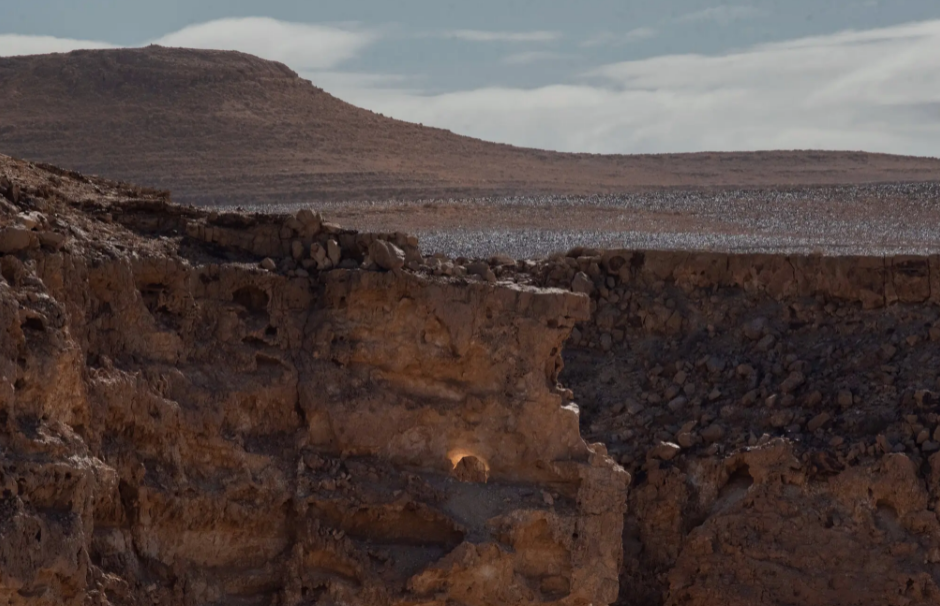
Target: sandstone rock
818, 421
792, 382
52, 239
685, 439
502, 260
333, 251
297, 250
14, 240
713, 433
714, 364
677, 404
386, 255
472, 469
582, 283
30, 220
482, 269
202, 413
665, 451
845, 399
755, 328
310, 220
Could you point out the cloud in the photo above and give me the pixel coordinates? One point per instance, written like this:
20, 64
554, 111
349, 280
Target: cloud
527, 58
473, 35
875, 90
12, 45
723, 14
617, 39
301, 46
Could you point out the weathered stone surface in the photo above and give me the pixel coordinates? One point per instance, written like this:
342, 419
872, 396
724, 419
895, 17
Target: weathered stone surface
14, 240
217, 433
386, 255
180, 428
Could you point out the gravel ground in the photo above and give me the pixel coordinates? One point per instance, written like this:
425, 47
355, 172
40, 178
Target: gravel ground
899, 218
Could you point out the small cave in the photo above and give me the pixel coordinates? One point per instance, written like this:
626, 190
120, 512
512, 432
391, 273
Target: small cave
470, 468
252, 298
35, 324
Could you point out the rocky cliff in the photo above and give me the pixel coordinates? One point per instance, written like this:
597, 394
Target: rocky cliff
185, 422
201, 408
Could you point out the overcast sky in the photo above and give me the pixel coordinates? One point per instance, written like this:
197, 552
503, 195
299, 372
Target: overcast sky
593, 75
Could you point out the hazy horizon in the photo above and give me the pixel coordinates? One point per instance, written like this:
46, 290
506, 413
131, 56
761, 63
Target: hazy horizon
600, 77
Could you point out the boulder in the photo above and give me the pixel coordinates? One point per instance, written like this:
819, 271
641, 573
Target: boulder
14, 240
386, 255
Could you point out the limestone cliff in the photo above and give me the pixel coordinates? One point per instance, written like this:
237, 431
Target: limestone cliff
180, 425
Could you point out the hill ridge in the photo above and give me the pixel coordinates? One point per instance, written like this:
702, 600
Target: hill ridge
229, 127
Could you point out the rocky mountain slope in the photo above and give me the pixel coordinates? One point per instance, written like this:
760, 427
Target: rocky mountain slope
225, 127
223, 408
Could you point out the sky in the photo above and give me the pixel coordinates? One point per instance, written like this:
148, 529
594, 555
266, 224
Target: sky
598, 76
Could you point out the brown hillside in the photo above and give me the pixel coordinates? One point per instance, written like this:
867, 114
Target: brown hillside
229, 127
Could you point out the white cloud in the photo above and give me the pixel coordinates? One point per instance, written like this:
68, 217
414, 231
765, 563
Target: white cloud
723, 14
473, 35
12, 45
875, 90
527, 58
301, 46
617, 39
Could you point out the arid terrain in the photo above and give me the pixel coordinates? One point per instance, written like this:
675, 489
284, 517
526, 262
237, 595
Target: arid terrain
228, 128
367, 362
224, 408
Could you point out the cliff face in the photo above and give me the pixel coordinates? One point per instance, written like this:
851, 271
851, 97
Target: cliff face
180, 425
237, 409
779, 416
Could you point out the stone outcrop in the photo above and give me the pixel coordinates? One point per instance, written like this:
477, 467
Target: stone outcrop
779, 416
257, 409
179, 425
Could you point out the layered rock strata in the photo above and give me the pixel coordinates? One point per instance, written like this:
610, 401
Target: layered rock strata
223, 408
233, 409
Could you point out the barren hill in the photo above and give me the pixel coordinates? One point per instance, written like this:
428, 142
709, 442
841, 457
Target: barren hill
229, 127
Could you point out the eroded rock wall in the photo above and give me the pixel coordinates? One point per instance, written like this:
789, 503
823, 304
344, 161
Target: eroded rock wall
185, 420
779, 416
232, 409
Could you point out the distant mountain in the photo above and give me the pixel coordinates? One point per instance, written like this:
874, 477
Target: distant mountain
216, 126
